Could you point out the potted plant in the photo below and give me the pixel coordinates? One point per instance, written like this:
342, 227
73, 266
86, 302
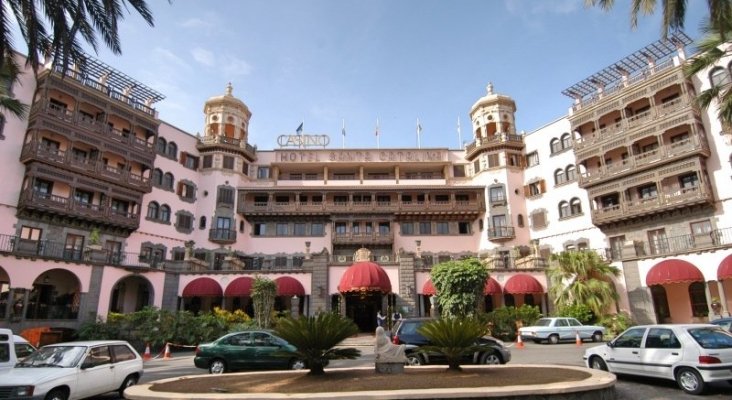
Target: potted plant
94, 251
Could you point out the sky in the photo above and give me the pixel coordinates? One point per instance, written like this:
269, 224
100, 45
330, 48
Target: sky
326, 62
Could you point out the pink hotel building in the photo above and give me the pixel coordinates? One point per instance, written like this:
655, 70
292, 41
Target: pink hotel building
108, 208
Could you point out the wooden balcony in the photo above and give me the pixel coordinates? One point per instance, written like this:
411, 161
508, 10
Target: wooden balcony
211, 143
501, 233
223, 236
496, 142
350, 207
35, 151
664, 201
33, 202
373, 238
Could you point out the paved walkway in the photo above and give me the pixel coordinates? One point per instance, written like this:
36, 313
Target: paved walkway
361, 339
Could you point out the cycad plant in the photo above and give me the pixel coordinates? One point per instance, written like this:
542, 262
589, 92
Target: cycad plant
454, 338
316, 338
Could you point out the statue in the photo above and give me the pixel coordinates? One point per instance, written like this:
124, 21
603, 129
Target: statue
386, 351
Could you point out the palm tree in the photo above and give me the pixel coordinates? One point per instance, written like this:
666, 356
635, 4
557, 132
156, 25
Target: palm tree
453, 337
582, 277
9, 71
316, 338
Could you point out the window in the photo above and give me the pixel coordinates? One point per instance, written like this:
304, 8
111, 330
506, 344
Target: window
384, 228
648, 191
538, 219
520, 220
497, 195
184, 221
120, 207
616, 247
458, 171
631, 338
157, 177
168, 181
152, 210
566, 141
689, 181
42, 186
464, 228
228, 162
657, 241
299, 229
701, 228
555, 146
207, 161
49, 145
281, 229
225, 196
559, 177
535, 188
575, 206
425, 228
172, 150
189, 161
202, 223
164, 213
263, 173
162, 146
571, 173
443, 228
563, 209
340, 228
493, 161
30, 233
73, 247
316, 229
407, 228
186, 190
698, 300
260, 229
476, 166
532, 159
719, 77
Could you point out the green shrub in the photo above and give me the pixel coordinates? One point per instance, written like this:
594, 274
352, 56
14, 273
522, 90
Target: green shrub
579, 311
616, 323
501, 322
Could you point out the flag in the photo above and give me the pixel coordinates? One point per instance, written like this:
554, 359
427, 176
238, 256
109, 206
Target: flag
419, 127
377, 126
299, 128
343, 130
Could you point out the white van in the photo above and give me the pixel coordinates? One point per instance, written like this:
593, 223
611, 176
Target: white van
12, 349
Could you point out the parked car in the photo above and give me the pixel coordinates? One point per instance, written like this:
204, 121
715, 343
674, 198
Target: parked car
406, 333
556, 329
74, 370
692, 354
725, 323
12, 348
244, 350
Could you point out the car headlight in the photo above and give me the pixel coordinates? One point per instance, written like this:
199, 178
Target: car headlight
22, 391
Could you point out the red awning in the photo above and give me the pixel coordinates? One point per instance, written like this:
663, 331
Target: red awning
239, 287
492, 287
428, 289
724, 271
673, 271
289, 286
202, 287
365, 276
522, 284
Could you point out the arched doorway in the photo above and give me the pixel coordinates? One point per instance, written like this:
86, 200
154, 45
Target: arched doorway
491, 291
525, 286
131, 293
363, 286
202, 295
290, 295
56, 294
678, 292
238, 295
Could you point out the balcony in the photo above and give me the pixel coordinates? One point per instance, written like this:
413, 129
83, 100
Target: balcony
51, 250
500, 233
495, 142
372, 238
664, 201
511, 263
225, 236
32, 201
349, 207
35, 151
210, 143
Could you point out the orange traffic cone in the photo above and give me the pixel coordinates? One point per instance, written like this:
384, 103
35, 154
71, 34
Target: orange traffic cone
577, 340
519, 342
166, 356
147, 355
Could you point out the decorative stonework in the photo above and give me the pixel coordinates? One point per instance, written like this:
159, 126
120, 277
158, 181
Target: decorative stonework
362, 254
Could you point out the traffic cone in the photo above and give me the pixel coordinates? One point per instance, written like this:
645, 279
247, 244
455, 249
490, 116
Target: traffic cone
519, 342
166, 356
577, 339
147, 356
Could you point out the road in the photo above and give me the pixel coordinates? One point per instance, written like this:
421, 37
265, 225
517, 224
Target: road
627, 388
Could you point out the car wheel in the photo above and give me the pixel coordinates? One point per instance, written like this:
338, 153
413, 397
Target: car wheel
554, 339
597, 337
129, 381
414, 359
297, 364
490, 358
598, 363
217, 367
57, 394
690, 381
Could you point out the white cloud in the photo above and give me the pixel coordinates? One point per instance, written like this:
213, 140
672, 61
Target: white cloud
542, 6
196, 23
234, 66
203, 56
167, 57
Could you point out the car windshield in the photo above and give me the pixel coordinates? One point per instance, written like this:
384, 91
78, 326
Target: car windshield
54, 356
712, 338
543, 322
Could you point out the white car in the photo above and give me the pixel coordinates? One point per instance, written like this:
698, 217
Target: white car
692, 354
12, 349
556, 329
73, 370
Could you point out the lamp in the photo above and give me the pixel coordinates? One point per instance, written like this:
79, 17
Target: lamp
321, 291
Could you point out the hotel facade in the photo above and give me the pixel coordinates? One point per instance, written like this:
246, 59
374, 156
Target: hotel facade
109, 208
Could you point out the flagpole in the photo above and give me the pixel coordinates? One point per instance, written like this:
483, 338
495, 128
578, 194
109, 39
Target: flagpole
419, 130
377, 133
343, 133
460, 137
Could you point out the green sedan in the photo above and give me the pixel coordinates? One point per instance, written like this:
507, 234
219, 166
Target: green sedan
247, 350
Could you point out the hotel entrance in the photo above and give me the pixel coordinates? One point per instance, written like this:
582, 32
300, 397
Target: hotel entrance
363, 287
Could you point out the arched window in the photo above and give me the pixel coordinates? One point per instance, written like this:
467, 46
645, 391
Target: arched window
165, 213
575, 206
559, 177
571, 173
529, 299
168, 181
202, 223
719, 77
566, 141
172, 150
564, 209
555, 145
152, 210
698, 299
520, 220
157, 177
162, 145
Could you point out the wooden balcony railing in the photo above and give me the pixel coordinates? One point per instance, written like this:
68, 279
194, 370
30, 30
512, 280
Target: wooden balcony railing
363, 238
336, 207
499, 139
